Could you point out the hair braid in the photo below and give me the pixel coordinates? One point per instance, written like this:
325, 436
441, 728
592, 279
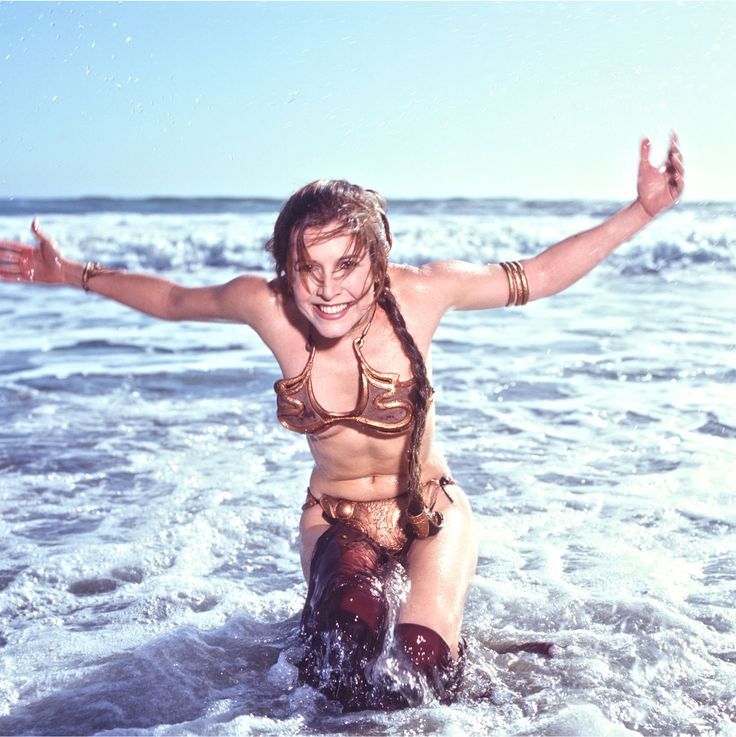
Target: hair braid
420, 396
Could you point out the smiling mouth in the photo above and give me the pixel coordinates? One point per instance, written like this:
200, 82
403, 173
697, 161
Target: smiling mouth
333, 309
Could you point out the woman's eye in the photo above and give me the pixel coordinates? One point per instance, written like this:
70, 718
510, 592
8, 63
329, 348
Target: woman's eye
305, 267
346, 265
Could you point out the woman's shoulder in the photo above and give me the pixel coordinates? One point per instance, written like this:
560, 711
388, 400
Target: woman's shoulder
405, 277
424, 274
419, 282
415, 289
284, 326
264, 304
271, 296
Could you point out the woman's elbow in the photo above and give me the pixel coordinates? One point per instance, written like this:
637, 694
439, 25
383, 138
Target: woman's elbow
174, 304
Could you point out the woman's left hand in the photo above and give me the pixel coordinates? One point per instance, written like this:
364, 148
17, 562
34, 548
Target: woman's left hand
660, 188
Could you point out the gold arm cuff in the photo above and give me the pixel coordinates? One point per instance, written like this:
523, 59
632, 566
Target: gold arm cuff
518, 283
512, 283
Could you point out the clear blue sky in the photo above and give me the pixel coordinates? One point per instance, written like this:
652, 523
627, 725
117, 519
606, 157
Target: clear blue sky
533, 100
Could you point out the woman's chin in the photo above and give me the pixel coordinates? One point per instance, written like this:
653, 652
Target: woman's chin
332, 330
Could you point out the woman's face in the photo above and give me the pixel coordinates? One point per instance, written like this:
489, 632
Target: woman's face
331, 287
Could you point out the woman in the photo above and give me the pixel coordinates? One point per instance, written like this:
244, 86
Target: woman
351, 334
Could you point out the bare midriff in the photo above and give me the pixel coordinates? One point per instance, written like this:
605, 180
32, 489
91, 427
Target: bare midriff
352, 465
370, 488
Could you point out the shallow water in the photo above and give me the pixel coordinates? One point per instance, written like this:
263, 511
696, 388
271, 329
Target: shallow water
149, 573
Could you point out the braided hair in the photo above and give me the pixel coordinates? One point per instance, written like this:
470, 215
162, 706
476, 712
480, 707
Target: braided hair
361, 213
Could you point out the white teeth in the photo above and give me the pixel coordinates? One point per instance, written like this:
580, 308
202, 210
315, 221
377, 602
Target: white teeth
332, 309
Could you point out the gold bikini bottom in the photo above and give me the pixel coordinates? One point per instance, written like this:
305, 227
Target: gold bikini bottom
386, 521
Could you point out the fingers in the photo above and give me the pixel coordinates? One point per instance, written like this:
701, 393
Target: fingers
12, 247
13, 260
10, 272
673, 152
674, 163
674, 167
676, 184
675, 177
674, 148
11, 257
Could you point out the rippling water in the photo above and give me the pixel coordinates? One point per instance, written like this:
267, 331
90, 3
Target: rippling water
149, 572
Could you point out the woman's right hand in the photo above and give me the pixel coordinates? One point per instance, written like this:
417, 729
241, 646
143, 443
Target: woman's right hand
43, 263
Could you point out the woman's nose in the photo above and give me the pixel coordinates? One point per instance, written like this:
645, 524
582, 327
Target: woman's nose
328, 288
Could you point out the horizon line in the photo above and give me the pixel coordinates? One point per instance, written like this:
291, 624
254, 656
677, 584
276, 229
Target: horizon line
275, 199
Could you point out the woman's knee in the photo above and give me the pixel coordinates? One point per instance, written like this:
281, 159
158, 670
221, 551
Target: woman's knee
429, 657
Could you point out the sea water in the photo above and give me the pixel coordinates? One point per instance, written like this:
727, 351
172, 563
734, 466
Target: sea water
149, 570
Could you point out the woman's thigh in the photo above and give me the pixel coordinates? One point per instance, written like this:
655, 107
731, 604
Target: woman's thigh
311, 527
440, 569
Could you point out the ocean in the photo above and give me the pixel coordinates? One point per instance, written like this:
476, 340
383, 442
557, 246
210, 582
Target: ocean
149, 569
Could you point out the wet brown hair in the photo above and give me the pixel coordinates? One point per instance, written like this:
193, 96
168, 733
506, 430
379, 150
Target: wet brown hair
361, 213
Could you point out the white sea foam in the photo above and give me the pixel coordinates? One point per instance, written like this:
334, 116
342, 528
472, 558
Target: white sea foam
149, 571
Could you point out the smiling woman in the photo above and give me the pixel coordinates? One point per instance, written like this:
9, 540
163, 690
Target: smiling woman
373, 492
352, 333
331, 282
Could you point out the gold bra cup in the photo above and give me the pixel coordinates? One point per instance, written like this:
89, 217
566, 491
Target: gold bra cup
384, 402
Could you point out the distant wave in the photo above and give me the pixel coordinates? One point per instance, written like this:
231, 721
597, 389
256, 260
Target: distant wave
142, 206
254, 205
165, 233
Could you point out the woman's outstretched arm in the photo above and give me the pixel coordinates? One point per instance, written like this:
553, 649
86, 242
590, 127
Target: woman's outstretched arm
240, 300
470, 287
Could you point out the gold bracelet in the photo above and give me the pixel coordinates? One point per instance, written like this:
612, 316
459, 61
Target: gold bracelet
524, 284
512, 283
92, 268
518, 283
88, 267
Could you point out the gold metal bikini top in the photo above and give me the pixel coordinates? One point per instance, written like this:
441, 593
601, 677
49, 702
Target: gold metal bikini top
384, 402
